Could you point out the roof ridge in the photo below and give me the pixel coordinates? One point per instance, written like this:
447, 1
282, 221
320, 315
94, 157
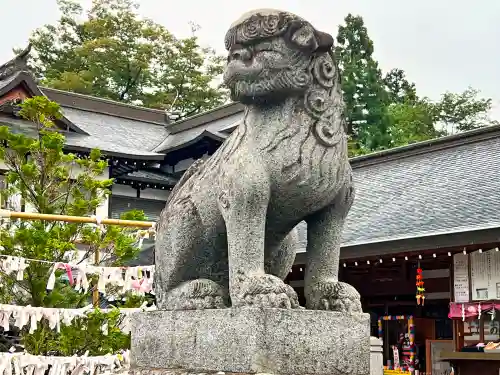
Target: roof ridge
97, 98
431, 145
15, 65
104, 106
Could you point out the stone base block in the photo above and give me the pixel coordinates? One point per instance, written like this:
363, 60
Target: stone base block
276, 341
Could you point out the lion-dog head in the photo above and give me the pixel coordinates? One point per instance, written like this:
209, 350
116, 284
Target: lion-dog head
272, 55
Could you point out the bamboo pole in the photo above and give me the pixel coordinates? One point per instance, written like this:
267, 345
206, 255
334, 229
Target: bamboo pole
74, 219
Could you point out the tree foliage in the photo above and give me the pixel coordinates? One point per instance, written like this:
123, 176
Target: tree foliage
398, 88
84, 334
463, 111
411, 123
51, 181
364, 94
111, 52
385, 111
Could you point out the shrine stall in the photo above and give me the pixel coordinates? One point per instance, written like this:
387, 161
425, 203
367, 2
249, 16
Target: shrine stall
475, 312
402, 346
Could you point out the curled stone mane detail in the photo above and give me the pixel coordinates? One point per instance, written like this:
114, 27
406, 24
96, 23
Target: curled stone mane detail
323, 101
258, 26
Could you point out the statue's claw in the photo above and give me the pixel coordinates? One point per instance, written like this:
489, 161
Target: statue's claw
265, 291
334, 296
195, 295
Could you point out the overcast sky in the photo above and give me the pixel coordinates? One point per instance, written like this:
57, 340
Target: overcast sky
443, 45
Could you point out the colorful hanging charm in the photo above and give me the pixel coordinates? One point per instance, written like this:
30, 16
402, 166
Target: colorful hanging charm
420, 287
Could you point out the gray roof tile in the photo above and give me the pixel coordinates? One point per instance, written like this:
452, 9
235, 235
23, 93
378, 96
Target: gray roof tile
451, 189
110, 147
82, 141
121, 132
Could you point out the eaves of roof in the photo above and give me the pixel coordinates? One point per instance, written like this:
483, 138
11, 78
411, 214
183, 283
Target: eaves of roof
150, 176
130, 154
172, 143
457, 238
205, 117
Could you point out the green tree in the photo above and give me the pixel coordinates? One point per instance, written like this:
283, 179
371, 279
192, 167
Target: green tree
412, 122
461, 112
398, 88
51, 181
385, 111
364, 93
111, 52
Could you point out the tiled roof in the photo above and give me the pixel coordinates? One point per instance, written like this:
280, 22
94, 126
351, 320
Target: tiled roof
84, 142
116, 133
452, 189
110, 147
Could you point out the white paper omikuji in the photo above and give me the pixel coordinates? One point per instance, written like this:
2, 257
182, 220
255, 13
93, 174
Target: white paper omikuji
136, 279
28, 315
11, 264
26, 364
52, 278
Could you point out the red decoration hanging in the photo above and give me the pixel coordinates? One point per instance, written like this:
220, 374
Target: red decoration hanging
420, 287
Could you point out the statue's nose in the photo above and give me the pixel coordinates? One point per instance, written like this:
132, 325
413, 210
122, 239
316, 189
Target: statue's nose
241, 54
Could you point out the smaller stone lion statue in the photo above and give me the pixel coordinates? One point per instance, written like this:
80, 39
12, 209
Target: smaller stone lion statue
227, 234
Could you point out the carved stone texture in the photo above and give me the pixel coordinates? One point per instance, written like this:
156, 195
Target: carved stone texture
226, 236
250, 340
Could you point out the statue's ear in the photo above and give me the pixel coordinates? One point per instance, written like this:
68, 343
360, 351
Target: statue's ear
325, 41
305, 37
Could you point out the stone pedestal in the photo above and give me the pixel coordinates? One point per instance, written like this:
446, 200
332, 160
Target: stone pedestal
376, 356
276, 341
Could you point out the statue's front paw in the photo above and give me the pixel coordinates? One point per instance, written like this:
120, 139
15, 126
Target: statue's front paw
264, 291
195, 295
334, 296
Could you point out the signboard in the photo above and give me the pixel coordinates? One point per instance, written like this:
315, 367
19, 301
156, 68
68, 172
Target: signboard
485, 275
480, 269
461, 277
395, 352
484, 281
494, 275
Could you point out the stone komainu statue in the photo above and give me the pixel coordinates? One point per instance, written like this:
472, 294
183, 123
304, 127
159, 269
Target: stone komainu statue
226, 236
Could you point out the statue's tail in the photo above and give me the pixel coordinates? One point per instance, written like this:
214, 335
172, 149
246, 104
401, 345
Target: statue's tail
193, 169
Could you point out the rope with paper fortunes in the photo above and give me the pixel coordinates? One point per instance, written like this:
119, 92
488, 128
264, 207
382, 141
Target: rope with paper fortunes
139, 280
